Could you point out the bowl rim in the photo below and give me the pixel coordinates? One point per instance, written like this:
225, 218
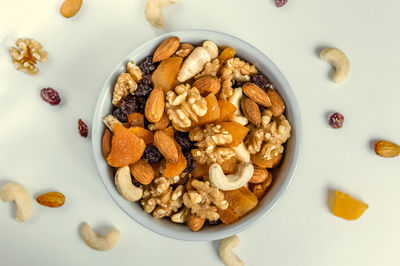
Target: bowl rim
235, 227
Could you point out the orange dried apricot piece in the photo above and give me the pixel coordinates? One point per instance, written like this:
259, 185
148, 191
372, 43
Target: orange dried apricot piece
213, 112
165, 74
227, 110
237, 131
136, 119
347, 207
171, 169
126, 147
143, 133
228, 166
200, 170
226, 54
228, 216
241, 200
258, 160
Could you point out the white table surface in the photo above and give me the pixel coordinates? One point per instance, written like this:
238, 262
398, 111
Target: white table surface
41, 148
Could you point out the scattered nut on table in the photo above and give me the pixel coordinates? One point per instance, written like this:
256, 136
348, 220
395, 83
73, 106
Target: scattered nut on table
17, 193
152, 11
27, 54
101, 243
339, 60
225, 251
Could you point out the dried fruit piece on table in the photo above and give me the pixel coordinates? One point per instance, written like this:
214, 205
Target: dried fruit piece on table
227, 110
126, 147
143, 133
50, 96
280, 3
387, 149
83, 128
336, 120
213, 111
195, 223
152, 154
261, 81
237, 131
207, 85
251, 111
226, 54
210, 69
241, 200
165, 75
228, 216
125, 84
154, 109
51, 199
136, 119
26, 56
147, 66
259, 160
256, 94
106, 143
166, 145
167, 48
152, 11
347, 207
184, 50
142, 171
70, 7
277, 104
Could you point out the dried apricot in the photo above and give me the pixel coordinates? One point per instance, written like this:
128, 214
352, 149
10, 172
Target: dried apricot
213, 111
226, 54
241, 200
165, 75
228, 216
200, 170
143, 133
237, 131
227, 110
258, 160
136, 119
347, 207
126, 147
228, 166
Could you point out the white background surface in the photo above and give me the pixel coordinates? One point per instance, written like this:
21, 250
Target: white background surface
41, 148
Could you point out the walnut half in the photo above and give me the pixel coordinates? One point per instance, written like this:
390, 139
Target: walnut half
26, 55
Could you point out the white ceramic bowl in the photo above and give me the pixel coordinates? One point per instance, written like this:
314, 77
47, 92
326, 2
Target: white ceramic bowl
282, 175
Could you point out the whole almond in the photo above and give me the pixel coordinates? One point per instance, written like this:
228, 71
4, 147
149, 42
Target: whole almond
251, 111
106, 143
387, 149
207, 85
155, 104
256, 94
195, 223
51, 199
184, 50
163, 123
70, 7
259, 175
167, 48
277, 105
142, 171
166, 145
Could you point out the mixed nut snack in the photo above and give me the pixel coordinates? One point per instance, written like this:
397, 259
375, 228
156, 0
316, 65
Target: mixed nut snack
194, 133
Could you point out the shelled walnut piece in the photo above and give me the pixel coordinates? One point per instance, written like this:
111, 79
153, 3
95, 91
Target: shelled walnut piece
126, 83
210, 69
208, 141
160, 199
26, 55
185, 105
269, 136
204, 199
235, 70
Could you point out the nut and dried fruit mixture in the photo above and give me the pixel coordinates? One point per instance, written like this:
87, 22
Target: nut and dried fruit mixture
200, 129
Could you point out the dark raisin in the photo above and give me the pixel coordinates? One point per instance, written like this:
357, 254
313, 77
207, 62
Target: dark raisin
145, 86
152, 154
83, 129
215, 222
132, 104
183, 139
50, 96
135, 182
261, 81
336, 120
123, 118
191, 163
146, 65
280, 3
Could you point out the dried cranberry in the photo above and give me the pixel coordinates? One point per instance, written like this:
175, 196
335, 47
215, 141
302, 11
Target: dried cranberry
183, 139
50, 96
261, 81
83, 129
191, 163
152, 154
123, 118
280, 3
145, 86
147, 66
336, 120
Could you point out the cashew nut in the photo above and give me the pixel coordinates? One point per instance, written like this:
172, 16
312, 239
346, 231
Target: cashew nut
23, 200
110, 122
235, 99
211, 48
123, 181
106, 242
241, 153
236, 180
225, 251
152, 11
339, 60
